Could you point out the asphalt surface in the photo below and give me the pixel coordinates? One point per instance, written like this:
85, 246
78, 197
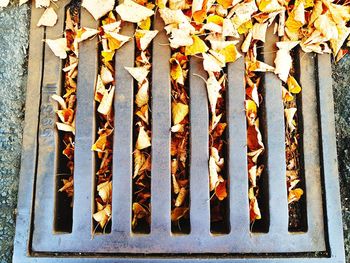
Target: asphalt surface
14, 23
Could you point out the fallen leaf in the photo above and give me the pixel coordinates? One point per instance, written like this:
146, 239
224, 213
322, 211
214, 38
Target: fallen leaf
138, 73
100, 144
60, 101
283, 60
142, 96
180, 37
115, 40
197, 47
106, 75
179, 212
103, 216
181, 197
259, 31
293, 85
42, 3
133, 12
143, 140
220, 190
139, 160
48, 18
295, 195
85, 33
213, 174
289, 113
98, 8
213, 89
106, 102
105, 191
65, 127
145, 37
21, 2
58, 47
176, 186
211, 64
179, 112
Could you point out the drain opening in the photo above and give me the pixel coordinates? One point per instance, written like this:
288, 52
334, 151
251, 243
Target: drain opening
63, 218
219, 205
180, 133
142, 131
295, 175
104, 117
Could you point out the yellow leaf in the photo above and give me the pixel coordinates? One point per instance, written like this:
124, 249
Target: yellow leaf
145, 24
294, 195
269, 6
176, 71
295, 20
100, 144
215, 19
244, 28
225, 3
115, 40
251, 111
197, 47
293, 85
179, 112
231, 53
107, 55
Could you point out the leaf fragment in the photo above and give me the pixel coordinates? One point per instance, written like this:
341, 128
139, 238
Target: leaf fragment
133, 12
98, 8
48, 18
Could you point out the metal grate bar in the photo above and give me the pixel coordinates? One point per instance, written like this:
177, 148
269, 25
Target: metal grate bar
161, 123
237, 150
84, 165
329, 156
47, 138
275, 136
199, 154
123, 136
311, 150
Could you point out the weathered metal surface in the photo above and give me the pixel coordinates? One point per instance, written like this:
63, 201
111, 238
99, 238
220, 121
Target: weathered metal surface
36, 240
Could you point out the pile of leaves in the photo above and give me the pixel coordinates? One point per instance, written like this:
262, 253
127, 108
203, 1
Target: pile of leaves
67, 102
180, 131
141, 206
293, 164
211, 29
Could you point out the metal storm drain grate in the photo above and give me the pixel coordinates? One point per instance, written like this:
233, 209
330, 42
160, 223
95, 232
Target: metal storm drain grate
43, 232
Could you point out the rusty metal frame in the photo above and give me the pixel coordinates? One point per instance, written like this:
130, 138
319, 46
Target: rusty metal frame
35, 239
